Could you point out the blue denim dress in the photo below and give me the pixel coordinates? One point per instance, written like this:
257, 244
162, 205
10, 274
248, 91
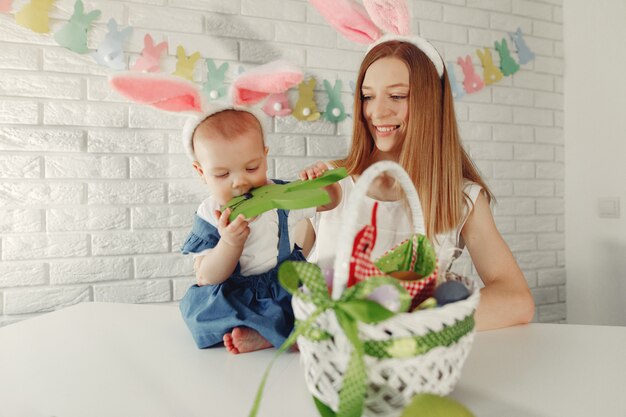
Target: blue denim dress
255, 301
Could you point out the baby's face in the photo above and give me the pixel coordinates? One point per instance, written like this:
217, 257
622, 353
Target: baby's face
231, 167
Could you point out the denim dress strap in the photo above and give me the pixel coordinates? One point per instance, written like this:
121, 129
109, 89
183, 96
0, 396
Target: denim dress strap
284, 246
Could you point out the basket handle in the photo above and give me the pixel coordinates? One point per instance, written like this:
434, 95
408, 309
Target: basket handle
349, 226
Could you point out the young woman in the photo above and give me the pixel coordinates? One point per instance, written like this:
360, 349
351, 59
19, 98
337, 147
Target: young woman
404, 112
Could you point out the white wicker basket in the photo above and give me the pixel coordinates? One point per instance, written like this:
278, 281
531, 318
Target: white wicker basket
438, 340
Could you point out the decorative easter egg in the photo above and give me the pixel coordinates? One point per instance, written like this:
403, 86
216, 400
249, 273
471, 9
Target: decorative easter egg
450, 292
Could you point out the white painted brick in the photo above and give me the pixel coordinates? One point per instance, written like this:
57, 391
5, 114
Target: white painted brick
559, 188
178, 238
521, 242
482, 96
557, 14
548, 100
44, 246
482, 38
333, 59
550, 206
19, 112
84, 114
288, 168
549, 135
99, 89
174, 142
38, 85
465, 16
162, 217
550, 170
133, 292
509, 23
22, 274
475, 131
149, 166
125, 192
313, 16
64, 10
443, 32
327, 147
536, 260
559, 51
180, 287
562, 294
545, 295
163, 18
510, 133
551, 241
239, 27
558, 118
491, 150
63, 60
532, 9
513, 170
490, 113
550, 277
548, 65
552, 312
533, 81
512, 96
529, 116
501, 188
536, 224
534, 188
20, 57
12, 32
299, 33
426, 10
515, 206
496, 5
547, 30
17, 166
163, 266
484, 168
293, 125
560, 224
86, 167
21, 221
40, 139
558, 86
218, 6
125, 141
531, 278
282, 145
36, 193
505, 224
185, 192
128, 243
146, 117
559, 154
540, 46
275, 9
41, 300
87, 218
560, 258
461, 110
528, 152
209, 47
91, 270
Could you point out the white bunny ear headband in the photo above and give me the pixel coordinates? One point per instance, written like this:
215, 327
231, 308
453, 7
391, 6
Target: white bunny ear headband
362, 24
177, 95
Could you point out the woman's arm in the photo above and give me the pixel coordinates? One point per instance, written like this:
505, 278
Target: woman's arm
505, 300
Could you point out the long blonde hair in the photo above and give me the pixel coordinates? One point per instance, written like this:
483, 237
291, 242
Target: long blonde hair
437, 166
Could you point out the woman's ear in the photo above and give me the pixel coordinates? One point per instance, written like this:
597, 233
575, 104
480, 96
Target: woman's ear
267, 149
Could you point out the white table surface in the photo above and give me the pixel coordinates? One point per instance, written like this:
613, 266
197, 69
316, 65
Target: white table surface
117, 360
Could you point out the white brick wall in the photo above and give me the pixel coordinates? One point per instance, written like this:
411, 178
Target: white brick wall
96, 194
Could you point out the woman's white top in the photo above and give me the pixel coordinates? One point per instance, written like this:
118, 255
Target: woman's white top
393, 226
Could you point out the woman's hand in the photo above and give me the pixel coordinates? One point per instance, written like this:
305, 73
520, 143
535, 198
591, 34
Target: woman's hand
313, 171
233, 233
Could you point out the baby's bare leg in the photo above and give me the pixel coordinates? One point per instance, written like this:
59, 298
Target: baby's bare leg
244, 339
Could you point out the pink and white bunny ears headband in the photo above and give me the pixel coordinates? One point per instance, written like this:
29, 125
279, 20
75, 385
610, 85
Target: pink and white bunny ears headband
363, 24
177, 95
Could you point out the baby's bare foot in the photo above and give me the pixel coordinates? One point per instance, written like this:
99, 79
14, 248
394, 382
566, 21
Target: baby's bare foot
246, 340
228, 343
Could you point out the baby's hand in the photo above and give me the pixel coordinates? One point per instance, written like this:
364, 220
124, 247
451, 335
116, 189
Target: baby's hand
233, 233
313, 171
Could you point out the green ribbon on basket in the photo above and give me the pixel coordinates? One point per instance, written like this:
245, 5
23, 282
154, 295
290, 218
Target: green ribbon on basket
351, 308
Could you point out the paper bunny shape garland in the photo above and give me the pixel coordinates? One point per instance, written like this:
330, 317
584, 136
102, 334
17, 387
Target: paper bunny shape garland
335, 112
525, 55
110, 53
214, 88
185, 64
150, 58
507, 63
306, 109
5, 6
173, 94
33, 15
472, 82
491, 73
73, 35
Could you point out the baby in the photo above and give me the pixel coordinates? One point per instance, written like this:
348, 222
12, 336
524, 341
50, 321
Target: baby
237, 299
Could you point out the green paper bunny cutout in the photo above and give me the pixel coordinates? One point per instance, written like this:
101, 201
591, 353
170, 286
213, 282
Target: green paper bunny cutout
491, 73
507, 63
291, 196
335, 111
214, 87
185, 64
306, 109
73, 35
34, 15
